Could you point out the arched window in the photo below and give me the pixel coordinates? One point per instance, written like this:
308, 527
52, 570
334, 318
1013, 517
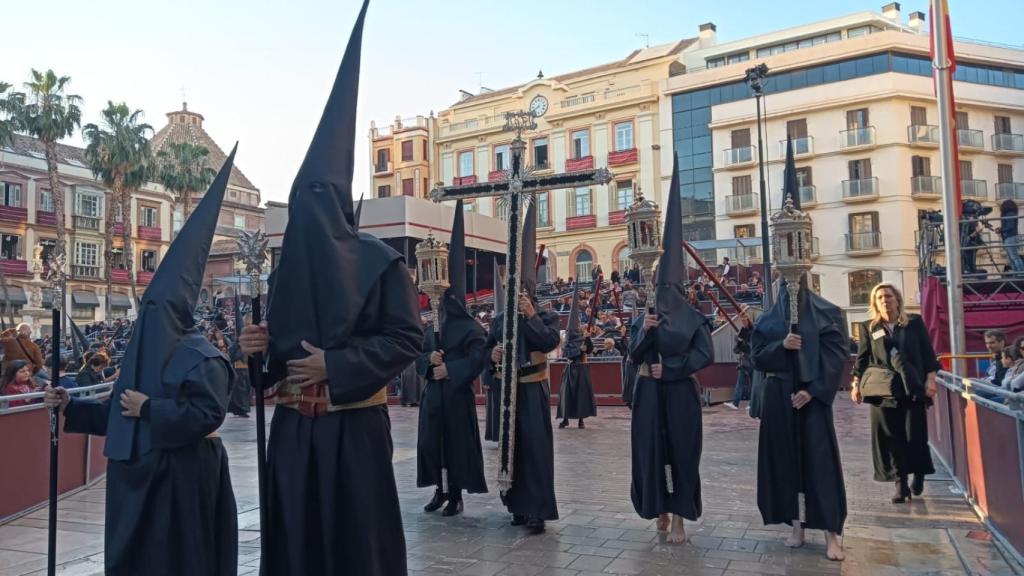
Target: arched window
584, 265
546, 273
624, 262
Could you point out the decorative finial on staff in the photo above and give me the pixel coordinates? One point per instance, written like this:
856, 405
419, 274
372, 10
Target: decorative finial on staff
56, 278
252, 249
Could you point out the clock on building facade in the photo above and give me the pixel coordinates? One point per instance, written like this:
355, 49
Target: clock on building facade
539, 105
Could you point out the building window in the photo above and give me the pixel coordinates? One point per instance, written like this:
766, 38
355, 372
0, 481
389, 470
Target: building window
1003, 125
857, 119
501, 209
148, 217
918, 116
797, 130
12, 195
623, 136
581, 202
543, 215
741, 186
584, 265
407, 186
858, 31
861, 283
738, 57
1004, 173
465, 163
580, 144
540, 153
624, 262
920, 166
148, 261
45, 201
623, 195
384, 191
48, 245
88, 205
383, 157
407, 151
426, 151
117, 259
816, 283
10, 247
502, 159
743, 231
966, 170
740, 138
860, 169
87, 254
239, 221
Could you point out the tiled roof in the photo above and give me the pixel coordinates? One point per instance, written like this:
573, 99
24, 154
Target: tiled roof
192, 131
29, 146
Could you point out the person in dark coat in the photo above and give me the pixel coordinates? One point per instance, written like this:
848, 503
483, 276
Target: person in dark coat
412, 385
170, 509
531, 497
488, 378
341, 325
799, 473
744, 366
576, 393
628, 367
668, 344
448, 452
898, 341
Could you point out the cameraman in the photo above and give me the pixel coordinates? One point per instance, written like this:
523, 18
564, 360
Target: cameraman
971, 229
1008, 215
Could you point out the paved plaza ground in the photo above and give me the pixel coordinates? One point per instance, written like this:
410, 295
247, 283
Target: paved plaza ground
599, 533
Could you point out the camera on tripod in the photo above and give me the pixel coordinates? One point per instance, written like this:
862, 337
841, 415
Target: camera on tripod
931, 216
972, 209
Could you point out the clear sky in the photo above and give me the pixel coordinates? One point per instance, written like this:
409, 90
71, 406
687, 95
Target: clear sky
260, 70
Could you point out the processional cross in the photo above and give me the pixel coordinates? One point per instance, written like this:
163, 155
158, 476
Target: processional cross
519, 186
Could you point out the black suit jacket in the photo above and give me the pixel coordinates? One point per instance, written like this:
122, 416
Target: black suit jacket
916, 358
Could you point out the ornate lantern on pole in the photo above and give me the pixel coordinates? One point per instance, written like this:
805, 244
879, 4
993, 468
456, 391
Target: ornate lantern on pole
643, 224
793, 233
432, 269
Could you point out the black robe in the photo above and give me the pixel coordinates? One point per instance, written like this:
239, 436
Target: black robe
448, 412
171, 511
628, 380
241, 390
412, 385
576, 393
333, 499
667, 419
492, 419
797, 449
533, 483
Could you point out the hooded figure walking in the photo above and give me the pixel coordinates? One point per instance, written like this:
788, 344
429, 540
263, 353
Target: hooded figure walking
531, 499
488, 378
449, 436
341, 324
576, 393
170, 509
668, 345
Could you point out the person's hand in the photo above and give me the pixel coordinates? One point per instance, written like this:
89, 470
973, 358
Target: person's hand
526, 306
651, 321
131, 403
931, 389
656, 371
497, 352
856, 396
440, 371
436, 357
56, 397
254, 339
801, 398
792, 342
309, 370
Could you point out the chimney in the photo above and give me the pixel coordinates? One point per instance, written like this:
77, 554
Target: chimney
917, 22
892, 11
707, 35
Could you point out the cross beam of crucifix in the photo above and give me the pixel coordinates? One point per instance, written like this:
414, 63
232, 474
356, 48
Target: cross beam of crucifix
520, 185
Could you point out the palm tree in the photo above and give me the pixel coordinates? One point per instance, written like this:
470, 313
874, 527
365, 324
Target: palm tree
119, 155
184, 171
8, 121
47, 112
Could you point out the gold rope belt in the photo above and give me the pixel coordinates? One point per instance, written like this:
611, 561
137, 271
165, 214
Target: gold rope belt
533, 373
318, 402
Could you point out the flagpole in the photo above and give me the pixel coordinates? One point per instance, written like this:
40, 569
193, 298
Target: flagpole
943, 66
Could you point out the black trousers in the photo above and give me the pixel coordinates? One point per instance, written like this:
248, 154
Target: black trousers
899, 440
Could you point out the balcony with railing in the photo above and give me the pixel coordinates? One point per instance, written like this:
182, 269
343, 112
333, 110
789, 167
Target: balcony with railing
496, 176
968, 138
86, 222
1008, 143
616, 95
860, 190
857, 137
617, 217
740, 204
977, 189
740, 156
120, 276
495, 122
45, 218
808, 196
144, 277
926, 134
623, 157
13, 214
581, 222
150, 233
801, 146
1010, 190
928, 187
581, 163
864, 243
79, 271
381, 168
14, 267
462, 180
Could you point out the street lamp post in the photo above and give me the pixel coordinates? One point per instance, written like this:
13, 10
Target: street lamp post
754, 77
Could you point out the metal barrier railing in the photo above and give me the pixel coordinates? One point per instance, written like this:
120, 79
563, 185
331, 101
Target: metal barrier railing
992, 397
94, 391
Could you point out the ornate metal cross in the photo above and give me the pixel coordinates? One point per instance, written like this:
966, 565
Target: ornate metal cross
519, 186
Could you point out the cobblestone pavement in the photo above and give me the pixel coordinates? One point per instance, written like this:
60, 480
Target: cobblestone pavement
599, 533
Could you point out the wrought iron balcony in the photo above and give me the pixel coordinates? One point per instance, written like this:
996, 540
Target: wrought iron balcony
382, 167
856, 137
1008, 143
79, 271
739, 156
923, 134
970, 138
926, 186
977, 189
864, 242
740, 204
862, 189
86, 222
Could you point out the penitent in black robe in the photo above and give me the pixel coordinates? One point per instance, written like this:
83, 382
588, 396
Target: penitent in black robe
412, 386
492, 418
533, 484
797, 449
171, 511
576, 393
448, 414
332, 486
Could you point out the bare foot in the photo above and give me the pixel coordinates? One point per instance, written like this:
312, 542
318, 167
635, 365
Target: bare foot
663, 522
678, 533
834, 549
796, 539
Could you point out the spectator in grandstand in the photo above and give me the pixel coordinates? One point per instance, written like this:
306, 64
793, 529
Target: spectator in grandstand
609, 350
92, 372
1013, 361
898, 367
995, 341
629, 297
17, 344
17, 379
1008, 215
726, 267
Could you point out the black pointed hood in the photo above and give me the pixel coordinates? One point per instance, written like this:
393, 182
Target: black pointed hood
456, 321
166, 315
359, 212
529, 259
573, 337
790, 184
670, 265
